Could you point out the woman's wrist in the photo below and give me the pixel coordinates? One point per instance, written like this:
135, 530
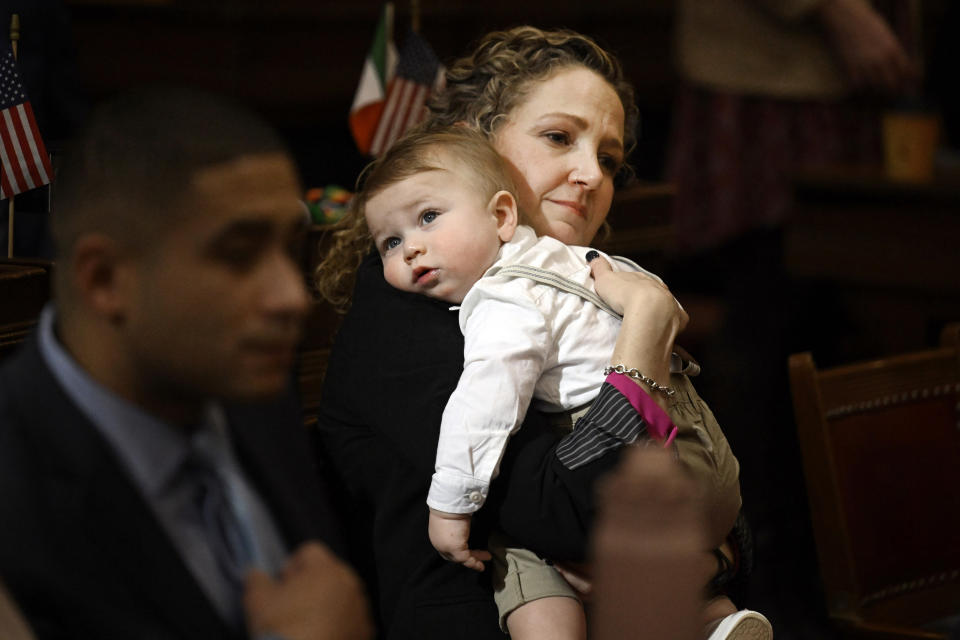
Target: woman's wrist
638, 376
659, 424
646, 351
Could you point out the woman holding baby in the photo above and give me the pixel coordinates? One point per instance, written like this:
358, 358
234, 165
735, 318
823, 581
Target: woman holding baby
557, 109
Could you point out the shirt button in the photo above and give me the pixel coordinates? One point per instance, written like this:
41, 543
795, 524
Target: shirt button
475, 497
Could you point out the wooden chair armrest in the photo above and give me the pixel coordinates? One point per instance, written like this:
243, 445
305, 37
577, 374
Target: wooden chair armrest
880, 631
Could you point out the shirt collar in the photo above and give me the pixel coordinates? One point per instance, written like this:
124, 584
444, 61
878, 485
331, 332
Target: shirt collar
523, 238
151, 449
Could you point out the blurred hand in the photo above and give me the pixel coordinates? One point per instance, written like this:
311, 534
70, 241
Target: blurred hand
450, 535
871, 55
648, 553
315, 597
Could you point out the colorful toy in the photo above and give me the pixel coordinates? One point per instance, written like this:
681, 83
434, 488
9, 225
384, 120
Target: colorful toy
329, 204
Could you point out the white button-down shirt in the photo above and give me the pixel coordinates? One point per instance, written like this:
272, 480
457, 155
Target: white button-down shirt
523, 341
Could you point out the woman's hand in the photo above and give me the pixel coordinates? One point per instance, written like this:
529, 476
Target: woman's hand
652, 318
637, 293
450, 534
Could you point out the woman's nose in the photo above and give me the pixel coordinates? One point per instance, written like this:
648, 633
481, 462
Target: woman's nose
587, 170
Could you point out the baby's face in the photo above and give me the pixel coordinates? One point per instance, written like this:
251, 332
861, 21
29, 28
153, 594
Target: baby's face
435, 233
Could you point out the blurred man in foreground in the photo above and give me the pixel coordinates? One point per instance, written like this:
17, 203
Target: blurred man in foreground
154, 478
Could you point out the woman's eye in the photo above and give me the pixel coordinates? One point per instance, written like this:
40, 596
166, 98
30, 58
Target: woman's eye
557, 137
429, 216
610, 164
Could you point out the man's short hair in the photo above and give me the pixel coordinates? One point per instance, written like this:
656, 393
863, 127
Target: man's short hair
128, 172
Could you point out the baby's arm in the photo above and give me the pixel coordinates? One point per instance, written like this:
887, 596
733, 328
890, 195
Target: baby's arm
450, 535
506, 343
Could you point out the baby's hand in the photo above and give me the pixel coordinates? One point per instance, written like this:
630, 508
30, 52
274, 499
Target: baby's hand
449, 534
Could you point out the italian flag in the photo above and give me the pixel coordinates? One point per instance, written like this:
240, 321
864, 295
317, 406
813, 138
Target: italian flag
378, 70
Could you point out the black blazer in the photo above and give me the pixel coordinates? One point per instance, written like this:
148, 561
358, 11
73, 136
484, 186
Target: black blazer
81, 551
395, 362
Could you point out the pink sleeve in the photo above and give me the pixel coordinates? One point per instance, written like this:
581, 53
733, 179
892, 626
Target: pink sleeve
659, 424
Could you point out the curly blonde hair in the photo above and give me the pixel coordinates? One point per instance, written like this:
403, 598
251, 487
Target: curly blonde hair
487, 85
336, 274
481, 90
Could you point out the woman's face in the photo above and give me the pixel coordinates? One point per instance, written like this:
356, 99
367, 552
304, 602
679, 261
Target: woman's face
564, 144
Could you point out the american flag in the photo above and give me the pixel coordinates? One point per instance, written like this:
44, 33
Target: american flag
24, 159
418, 73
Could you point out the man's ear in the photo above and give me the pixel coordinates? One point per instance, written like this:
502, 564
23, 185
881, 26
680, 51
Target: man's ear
101, 275
504, 207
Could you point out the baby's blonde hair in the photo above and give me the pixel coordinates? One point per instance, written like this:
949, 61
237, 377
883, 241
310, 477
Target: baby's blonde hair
423, 149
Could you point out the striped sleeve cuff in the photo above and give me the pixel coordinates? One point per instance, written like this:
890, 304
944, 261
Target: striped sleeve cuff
622, 414
610, 423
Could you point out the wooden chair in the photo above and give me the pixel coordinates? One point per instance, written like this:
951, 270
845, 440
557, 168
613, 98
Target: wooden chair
881, 454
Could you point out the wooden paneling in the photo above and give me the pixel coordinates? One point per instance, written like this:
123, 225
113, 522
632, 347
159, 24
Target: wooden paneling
293, 58
885, 253
24, 289
299, 61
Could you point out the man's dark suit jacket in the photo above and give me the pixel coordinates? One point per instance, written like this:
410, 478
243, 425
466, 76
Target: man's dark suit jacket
80, 550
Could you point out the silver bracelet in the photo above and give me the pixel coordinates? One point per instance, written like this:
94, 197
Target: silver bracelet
636, 375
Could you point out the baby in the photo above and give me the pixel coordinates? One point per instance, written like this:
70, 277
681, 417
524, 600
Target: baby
441, 211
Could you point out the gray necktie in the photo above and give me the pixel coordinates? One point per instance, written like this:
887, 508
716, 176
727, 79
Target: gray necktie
227, 530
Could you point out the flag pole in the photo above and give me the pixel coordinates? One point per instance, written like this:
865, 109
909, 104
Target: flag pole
389, 7
14, 37
415, 15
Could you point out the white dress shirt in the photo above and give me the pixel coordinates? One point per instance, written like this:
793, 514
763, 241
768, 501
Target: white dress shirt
523, 341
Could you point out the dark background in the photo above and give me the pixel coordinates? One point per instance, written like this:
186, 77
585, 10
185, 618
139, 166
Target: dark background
298, 63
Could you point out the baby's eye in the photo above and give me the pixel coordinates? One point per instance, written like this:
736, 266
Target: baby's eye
391, 243
428, 216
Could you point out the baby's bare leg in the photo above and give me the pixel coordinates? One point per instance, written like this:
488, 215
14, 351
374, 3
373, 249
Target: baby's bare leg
717, 609
548, 618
